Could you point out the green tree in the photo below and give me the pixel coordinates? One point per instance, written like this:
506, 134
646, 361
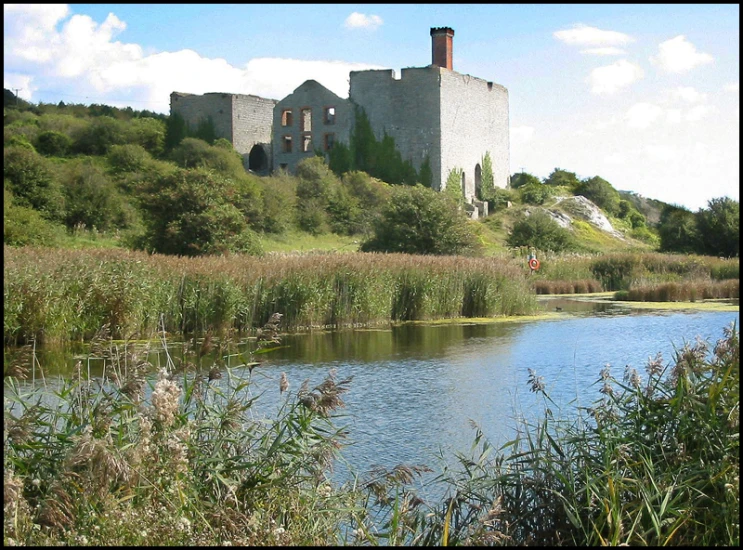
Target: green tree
418, 220
100, 134
453, 186
718, 227
562, 177
540, 231
425, 178
33, 182
534, 193
600, 192
176, 130
189, 213
53, 144
677, 230
92, 199
520, 179
486, 191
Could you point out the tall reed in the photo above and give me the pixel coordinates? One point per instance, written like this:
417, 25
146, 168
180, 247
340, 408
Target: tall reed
58, 295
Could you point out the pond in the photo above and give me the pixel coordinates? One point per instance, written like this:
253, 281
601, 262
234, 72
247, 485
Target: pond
417, 389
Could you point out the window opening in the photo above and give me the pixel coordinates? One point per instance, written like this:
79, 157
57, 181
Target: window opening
306, 120
329, 141
329, 115
287, 144
306, 143
287, 118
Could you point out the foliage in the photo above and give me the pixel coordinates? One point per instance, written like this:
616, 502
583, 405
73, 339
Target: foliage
149, 133
718, 227
425, 176
176, 130
23, 226
486, 189
32, 182
418, 220
520, 179
100, 134
534, 193
92, 199
197, 153
560, 177
128, 158
678, 230
600, 192
53, 144
501, 198
540, 231
453, 186
190, 213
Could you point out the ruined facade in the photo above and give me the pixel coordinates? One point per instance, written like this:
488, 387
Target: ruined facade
434, 111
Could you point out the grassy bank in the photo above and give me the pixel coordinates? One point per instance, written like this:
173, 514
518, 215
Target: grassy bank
58, 295
654, 461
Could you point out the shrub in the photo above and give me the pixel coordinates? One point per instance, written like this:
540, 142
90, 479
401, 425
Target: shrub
534, 193
520, 179
92, 199
560, 177
600, 192
100, 134
53, 144
418, 220
127, 158
149, 133
197, 153
540, 231
678, 231
718, 227
32, 182
24, 226
453, 186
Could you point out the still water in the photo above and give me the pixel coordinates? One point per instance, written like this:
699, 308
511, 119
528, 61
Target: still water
416, 389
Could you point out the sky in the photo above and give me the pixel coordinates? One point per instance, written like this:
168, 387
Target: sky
644, 96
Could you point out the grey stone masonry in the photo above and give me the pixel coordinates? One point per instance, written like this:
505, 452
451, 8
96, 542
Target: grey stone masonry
310, 118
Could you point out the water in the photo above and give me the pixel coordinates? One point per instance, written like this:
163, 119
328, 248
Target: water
416, 390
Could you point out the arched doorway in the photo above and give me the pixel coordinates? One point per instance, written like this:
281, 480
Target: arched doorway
258, 159
464, 185
478, 180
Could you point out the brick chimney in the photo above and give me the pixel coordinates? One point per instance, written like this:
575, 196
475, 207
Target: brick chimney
442, 46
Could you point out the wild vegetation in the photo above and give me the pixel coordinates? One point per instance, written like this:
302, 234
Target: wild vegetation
184, 458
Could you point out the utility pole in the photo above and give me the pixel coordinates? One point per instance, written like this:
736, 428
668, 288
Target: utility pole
16, 90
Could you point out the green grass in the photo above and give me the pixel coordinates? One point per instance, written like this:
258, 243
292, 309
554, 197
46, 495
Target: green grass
300, 241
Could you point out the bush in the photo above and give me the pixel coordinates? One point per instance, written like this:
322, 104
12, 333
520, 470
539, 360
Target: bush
127, 158
678, 231
534, 193
189, 213
560, 177
197, 153
92, 200
521, 179
53, 144
540, 231
34, 185
418, 220
24, 226
100, 134
453, 186
149, 133
718, 227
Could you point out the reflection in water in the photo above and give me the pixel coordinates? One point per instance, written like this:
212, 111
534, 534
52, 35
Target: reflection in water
415, 388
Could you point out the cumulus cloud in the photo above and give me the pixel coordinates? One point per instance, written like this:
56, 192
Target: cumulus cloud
732, 87
46, 49
604, 51
583, 35
611, 78
642, 115
362, 21
698, 112
686, 94
678, 55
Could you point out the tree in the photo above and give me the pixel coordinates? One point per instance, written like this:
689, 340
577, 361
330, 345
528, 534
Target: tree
601, 192
540, 231
677, 230
486, 191
562, 177
534, 193
520, 179
718, 227
418, 220
425, 177
453, 186
32, 182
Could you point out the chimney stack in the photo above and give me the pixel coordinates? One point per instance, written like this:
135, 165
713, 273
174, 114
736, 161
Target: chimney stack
442, 46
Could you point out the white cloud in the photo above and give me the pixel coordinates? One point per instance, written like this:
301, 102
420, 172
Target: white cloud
615, 158
362, 21
732, 87
673, 115
678, 55
521, 134
604, 51
686, 94
698, 112
83, 58
584, 35
611, 78
662, 153
642, 115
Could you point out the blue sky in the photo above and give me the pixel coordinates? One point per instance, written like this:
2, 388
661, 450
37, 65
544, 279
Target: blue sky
645, 96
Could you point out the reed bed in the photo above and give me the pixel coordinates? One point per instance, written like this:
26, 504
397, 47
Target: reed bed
622, 271
59, 295
690, 291
653, 461
584, 286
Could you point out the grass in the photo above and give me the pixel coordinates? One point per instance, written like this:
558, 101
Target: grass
300, 241
56, 295
183, 459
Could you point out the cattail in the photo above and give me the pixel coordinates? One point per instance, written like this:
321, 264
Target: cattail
283, 383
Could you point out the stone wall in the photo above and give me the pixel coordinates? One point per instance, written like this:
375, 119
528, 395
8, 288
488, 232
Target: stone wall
194, 108
407, 109
317, 99
474, 120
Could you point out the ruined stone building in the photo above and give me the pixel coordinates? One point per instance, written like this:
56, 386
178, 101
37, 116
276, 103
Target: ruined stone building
434, 111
